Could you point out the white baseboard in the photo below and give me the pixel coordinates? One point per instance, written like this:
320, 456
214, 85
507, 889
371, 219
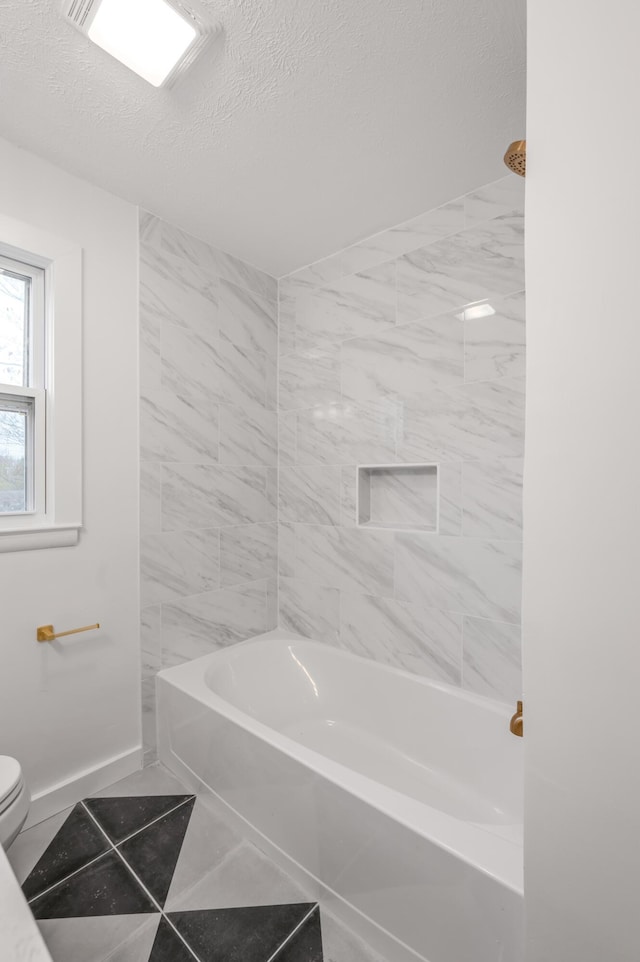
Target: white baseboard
54, 799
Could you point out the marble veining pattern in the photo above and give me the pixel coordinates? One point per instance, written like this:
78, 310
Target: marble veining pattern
491, 659
150, 498
494, 345
310, 494
347, 432
346, 558
213, 262
409, 636
175, 429
403, 361
478, 421
223, 372
409, 348
178, 563
310, 610
246, 319
406, 347
248, 435
202, 623
175, 291
209, 442
286, 325
466, 575
248, 552
150, 327
482, 262
286, 550
348, 496
309, 378
450, 480
359, 304
287, 440
492, 499
208, 496
418, 232
151, 652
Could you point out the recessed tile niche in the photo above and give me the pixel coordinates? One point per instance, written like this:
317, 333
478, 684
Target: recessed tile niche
398, 496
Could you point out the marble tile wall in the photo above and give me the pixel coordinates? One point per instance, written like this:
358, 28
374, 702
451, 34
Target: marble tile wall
208, 437
409, 348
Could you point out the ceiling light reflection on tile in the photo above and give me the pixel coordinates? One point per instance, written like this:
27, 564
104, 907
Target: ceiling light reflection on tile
154, 38
332, 411
476, 311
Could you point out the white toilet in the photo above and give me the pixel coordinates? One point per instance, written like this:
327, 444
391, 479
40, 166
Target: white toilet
14, 800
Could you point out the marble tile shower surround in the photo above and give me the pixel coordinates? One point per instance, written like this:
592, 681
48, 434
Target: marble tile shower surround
260, 398
383, 360
209, 438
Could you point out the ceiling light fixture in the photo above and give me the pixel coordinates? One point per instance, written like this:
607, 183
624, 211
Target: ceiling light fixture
157, 39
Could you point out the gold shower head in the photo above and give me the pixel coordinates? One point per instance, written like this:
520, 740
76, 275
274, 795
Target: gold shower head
516, 157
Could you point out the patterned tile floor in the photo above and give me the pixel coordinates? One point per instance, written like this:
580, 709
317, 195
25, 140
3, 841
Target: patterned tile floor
146, 872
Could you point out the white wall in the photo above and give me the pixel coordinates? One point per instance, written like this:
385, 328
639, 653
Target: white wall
72, 706
582, 484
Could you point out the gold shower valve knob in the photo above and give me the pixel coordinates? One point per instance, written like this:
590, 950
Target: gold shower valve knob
516, 723
46, 632
516, 157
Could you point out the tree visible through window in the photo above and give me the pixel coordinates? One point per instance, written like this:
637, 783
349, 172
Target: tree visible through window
21, 385
13, 480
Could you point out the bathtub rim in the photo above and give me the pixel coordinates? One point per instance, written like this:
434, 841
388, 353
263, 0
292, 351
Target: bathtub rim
493, 855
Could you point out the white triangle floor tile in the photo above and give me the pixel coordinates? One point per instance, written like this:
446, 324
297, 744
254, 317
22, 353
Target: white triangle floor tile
244, 878
30, 845
208, 841
99, 939
341, 945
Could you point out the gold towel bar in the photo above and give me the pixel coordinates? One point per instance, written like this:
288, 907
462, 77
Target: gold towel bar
46, 632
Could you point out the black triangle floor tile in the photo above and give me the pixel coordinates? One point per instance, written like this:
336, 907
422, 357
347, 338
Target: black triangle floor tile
121, 817
306, 944
168, 947
106, 887
240, 934
77, 842
153, 853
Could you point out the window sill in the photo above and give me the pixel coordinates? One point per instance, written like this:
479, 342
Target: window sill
28, 539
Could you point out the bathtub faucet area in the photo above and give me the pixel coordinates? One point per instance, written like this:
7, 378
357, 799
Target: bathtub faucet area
516, 725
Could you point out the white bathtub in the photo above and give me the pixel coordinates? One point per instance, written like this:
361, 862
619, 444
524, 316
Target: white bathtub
400, 796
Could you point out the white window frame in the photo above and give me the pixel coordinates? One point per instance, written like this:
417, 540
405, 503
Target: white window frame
56, 518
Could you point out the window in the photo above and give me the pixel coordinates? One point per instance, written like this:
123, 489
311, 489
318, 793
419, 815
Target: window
22, 389
40, 388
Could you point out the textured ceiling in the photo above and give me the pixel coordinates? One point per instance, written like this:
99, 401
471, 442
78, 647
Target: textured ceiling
308, 125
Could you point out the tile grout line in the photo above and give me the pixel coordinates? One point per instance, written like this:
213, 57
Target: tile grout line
148, 824
274, 957
113, 847
151, 898
482, 222
67, 877
219, 865
97, 858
